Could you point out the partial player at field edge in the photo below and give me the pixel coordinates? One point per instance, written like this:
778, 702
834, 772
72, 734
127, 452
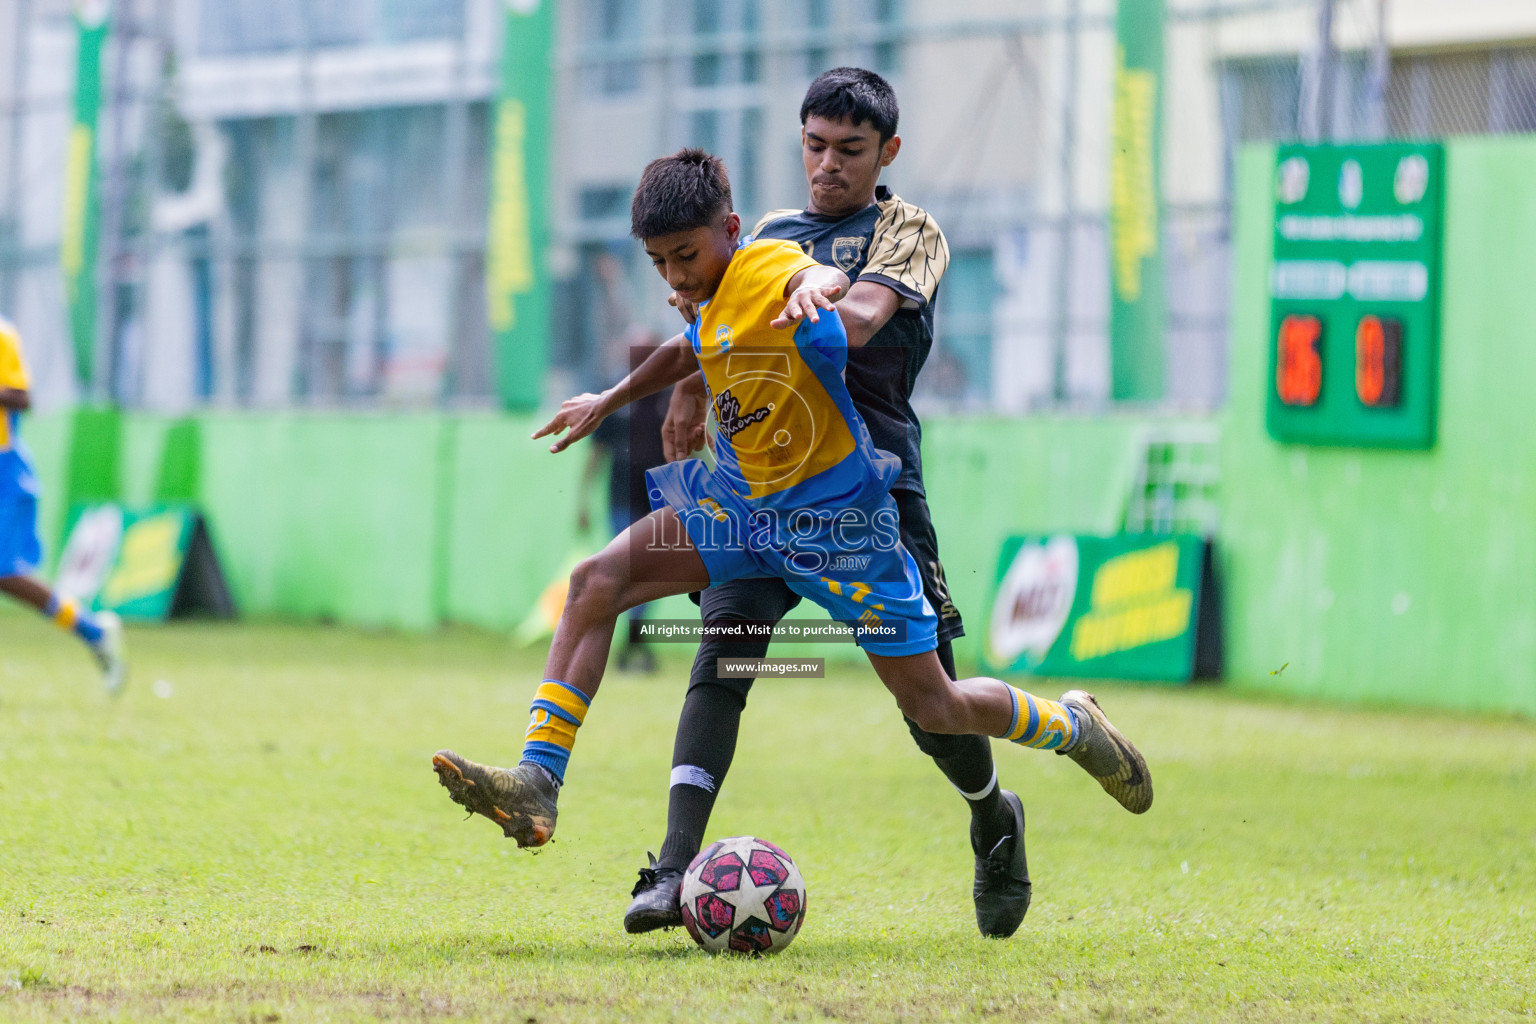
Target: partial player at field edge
21, 551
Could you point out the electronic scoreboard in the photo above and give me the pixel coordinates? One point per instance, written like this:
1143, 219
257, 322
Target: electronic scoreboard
1354, 295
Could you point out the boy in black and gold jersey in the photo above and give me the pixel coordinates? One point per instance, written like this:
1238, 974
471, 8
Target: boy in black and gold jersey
895, 256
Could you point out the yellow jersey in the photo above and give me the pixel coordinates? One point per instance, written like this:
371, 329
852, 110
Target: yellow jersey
14, 376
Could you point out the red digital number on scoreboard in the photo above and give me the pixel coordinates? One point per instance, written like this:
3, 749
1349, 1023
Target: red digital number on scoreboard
1299, 368
1379, 361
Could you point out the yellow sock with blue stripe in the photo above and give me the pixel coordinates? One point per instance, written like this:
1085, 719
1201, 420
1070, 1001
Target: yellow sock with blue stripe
556, 713
67, 614
1040, 723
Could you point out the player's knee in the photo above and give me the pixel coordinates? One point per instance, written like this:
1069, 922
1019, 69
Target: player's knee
932, 711
594, 590
933, 744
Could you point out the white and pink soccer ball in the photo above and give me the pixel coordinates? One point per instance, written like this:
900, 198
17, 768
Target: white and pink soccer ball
743, 895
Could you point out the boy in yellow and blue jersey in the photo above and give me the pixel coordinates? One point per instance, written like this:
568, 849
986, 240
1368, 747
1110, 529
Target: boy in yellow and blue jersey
20, 550
896, 256
800, 492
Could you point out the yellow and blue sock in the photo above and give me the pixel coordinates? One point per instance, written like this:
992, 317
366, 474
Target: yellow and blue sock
556, 713
1040, 723
67, 614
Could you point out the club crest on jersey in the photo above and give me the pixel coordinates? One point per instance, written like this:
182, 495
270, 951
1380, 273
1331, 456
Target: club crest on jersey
846, 251
728, 414
723, 337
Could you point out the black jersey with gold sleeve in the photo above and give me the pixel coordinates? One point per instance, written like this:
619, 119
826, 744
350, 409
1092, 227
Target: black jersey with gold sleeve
896, 244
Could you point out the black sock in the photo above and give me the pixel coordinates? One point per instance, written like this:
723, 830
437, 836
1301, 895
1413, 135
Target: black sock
701, 756
966, 762
706, 730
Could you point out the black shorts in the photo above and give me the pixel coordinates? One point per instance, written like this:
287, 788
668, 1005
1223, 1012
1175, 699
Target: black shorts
918, 536
768, 600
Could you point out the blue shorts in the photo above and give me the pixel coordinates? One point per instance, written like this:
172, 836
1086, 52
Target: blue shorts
20, 550
848, 560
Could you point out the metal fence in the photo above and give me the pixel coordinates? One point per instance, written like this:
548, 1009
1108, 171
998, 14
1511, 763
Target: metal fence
294, 194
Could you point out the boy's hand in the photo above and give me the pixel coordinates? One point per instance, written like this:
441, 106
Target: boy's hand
682, 432
803, 303
689, 311
580, 415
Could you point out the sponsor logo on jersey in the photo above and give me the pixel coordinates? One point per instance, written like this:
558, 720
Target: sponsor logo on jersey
846, 251
728, 414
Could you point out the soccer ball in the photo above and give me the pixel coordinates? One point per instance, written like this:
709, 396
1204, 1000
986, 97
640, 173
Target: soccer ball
743, 895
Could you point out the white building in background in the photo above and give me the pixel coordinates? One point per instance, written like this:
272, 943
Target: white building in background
305, 184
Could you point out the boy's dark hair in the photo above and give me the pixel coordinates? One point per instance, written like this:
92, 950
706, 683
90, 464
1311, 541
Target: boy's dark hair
853, 95
686, 190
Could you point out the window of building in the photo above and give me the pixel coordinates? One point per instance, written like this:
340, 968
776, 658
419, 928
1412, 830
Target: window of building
230, 27
884, 54
401, 21
721, 111
375, 289
610, 22
1427, 95
1262, 95
818, 19
245, 26
959, 370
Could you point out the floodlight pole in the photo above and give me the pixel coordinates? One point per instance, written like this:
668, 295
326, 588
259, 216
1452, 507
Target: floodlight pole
1380, 74
1066, 251
107, 375
1315, 115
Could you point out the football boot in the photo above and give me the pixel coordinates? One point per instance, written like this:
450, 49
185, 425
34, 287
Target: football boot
520, 799
1112, 760
111, 653
657, 902
1001, 891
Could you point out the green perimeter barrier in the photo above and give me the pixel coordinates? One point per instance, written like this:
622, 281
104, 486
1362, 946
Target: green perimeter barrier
140, 455
77, 453
511, 521
94, 469
1398, 577
326, 516
407, 521
47, 437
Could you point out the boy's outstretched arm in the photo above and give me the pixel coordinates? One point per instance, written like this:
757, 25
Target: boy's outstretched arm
811, 289
666, 365
867, 308
15, 398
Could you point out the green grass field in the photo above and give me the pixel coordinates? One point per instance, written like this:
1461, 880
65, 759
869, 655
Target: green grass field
268, 843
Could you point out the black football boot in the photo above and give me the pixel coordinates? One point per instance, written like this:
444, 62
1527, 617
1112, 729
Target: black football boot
656, 902
1002, 886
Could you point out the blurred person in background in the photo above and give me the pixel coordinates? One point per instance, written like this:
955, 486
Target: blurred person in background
21, 552
631, 442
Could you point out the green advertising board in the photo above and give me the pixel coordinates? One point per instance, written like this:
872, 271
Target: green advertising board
1136, 310
1354, 289
516, 280
147, 564
78, 235
1131, 606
